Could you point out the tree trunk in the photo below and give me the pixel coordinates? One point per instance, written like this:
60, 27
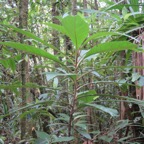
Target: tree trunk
138, 60
74, 7
96, 4
55, 35
23, 18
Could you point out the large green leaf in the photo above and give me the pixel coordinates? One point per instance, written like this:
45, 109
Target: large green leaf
100, 35
110, 46
112, 112
57, 27
31, 50
76, 28
30, 35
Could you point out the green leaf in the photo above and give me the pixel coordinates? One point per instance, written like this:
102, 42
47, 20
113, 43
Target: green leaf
41, 141
51, 75
135, 76
100, 35
1, 141
110, 46
12, 64
42, 135
79, 116
32, 50
141, 81
87, 96
63, 117
121, 124
106, 138
84, 134
124, 11
97, 75
123, 139
5, 63
119, 6
89, 11
112, 112
81, 124
55, 83
134, 5
30, 35
132, 14
76, 28
57, 27
63, 139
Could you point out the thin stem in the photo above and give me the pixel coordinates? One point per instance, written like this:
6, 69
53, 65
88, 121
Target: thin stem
74, 104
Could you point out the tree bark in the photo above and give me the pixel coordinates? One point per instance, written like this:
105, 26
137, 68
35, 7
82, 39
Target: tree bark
23, 18
74, 7
96, 4
55, 35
